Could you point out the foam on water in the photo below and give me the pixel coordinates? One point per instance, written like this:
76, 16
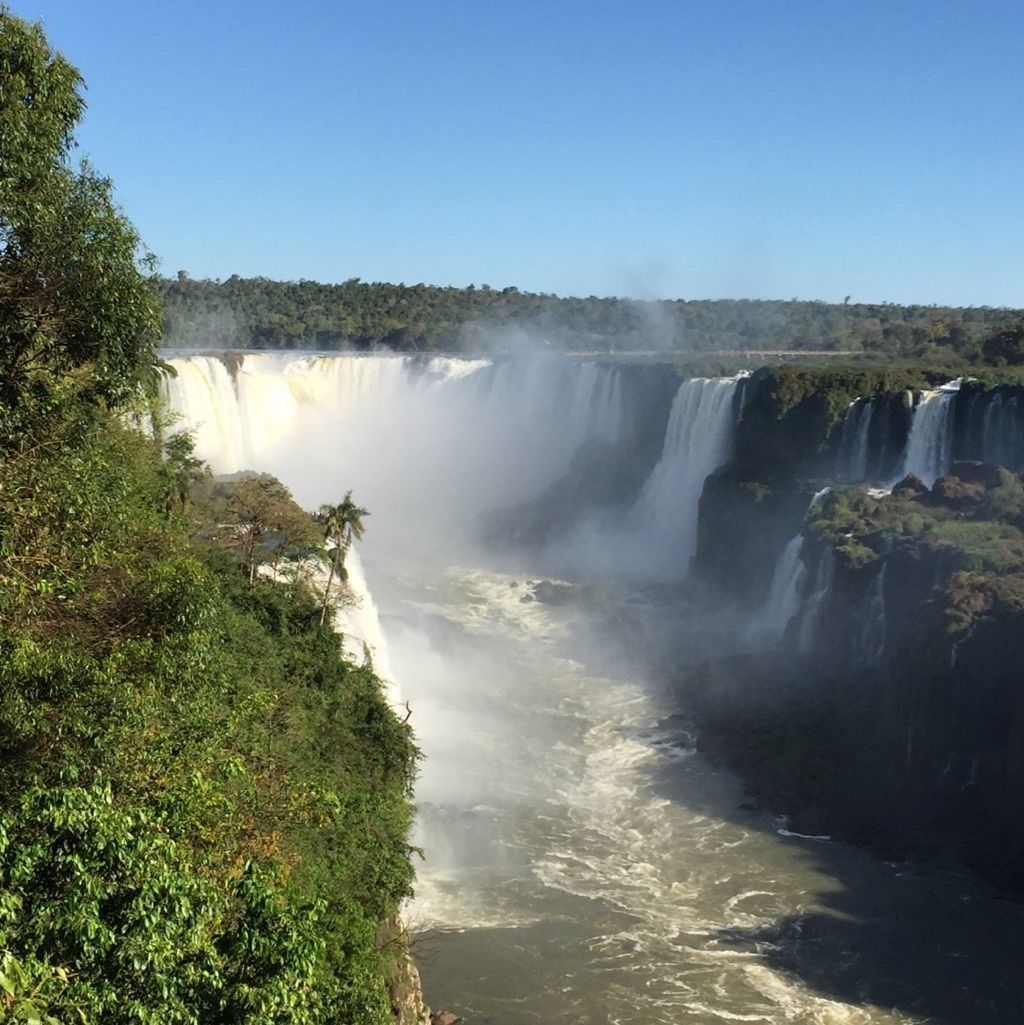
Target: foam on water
586, 832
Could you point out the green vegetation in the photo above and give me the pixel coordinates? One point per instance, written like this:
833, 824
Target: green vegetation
70, 293
834, 388
262, 314
1005, 347
207, 806
966, 534
974, 521
343, 524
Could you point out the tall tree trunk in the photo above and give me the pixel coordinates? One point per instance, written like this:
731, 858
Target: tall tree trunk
327, 591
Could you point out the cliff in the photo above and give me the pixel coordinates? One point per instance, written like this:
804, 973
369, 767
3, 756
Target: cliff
890, 711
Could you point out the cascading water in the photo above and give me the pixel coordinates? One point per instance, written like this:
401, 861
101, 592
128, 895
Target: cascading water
783, 602
432, 447
929, 445
813, 611
855, 452
697, 441
873, 637
1002, 439
583, 864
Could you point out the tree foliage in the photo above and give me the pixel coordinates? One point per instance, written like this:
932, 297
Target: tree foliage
343, 524
71, 293
1005, 347
207, 808
264, 314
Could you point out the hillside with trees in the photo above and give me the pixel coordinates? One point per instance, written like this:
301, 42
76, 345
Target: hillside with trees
206, 807
257, 313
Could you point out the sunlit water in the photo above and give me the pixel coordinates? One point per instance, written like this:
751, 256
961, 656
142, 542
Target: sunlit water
584, 865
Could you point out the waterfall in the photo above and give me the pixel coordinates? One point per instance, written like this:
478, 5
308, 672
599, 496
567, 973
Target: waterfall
359, 624
929, 445
203, 395
434, 447
698, 440
1002, 433
782, 603
854, 454
817, 602
873, 635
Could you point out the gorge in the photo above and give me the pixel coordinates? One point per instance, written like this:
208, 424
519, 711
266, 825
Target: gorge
601, 583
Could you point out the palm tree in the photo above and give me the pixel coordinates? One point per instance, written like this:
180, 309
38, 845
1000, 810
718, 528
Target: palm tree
343, 524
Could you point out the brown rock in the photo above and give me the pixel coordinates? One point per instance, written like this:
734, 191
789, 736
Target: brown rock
444, 1018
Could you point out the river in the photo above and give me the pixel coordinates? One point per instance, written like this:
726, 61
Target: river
583, 864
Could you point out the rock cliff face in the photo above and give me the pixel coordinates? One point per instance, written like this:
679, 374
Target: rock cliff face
891, 709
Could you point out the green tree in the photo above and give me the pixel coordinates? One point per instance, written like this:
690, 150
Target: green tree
267, 521
1005, 347
180, 470
342, 524
72, 296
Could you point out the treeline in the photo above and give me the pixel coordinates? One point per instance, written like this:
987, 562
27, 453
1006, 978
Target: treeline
206, 805
258, 313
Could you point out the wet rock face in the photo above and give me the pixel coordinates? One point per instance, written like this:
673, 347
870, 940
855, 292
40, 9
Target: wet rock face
919, 747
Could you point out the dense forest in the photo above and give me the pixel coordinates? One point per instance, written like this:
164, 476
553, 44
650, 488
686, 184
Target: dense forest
257, 313
206, 804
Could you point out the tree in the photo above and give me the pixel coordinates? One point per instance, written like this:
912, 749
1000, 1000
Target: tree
266, 517
180, 470
73, 299
1005, 347
342, 524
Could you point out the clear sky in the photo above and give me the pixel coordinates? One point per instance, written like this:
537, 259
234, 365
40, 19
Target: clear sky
651, 148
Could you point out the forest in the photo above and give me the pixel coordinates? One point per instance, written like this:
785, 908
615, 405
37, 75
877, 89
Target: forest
257, 313
206, 807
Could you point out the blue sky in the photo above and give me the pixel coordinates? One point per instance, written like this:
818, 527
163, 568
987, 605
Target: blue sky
651, 148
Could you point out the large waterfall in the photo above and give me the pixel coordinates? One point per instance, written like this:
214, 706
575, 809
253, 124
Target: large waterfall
438, 448
697, 441
582, 863
929, 446
855, 451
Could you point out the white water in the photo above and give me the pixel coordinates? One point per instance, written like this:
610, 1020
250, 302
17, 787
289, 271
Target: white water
929, 444
875, 632
855, 452
783, 600
1003, 432
785, 592
432, 447
813, 610
583, 865
358, 622
698, 440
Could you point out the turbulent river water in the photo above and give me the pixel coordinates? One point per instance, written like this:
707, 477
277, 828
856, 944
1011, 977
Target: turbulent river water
582, 864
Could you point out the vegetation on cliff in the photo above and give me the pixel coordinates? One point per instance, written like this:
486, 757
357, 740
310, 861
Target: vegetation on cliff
972, 518
207, 806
